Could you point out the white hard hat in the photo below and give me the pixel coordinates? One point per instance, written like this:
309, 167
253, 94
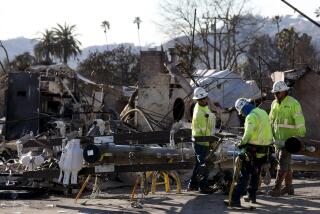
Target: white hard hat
279, 86
199, 93
240, 103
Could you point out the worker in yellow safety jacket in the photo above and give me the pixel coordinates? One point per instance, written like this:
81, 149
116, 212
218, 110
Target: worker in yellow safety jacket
203, 124
255, 147
287, 120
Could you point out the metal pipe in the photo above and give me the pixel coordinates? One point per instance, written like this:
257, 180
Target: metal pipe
120, 154
141, 113
298, 163
303, 146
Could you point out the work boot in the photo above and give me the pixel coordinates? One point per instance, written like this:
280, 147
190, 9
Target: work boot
232, 203
288, 189
192, 188
207, 190
248, 198
276, 190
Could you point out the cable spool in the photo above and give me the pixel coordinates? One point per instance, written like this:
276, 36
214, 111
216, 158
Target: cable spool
91, 153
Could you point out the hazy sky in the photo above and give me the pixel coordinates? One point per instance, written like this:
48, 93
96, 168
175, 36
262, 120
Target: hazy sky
30, 17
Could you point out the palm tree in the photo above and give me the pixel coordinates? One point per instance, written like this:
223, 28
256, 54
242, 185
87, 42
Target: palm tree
317, 12
137, 21
66, 43
45, 47
106, 26
276, 20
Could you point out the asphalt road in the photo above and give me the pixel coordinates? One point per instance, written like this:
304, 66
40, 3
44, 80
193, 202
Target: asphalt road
116, 200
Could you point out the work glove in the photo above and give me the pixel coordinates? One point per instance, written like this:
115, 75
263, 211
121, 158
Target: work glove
279, 143
239, 145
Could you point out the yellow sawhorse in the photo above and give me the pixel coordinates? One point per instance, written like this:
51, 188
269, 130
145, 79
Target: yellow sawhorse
95, 189
142, 180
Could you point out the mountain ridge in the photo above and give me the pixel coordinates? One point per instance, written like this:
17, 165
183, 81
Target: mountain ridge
19, 45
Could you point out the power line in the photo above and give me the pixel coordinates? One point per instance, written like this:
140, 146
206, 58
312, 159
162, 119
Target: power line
304, 15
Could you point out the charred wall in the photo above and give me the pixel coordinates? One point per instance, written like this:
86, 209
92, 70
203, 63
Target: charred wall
307, 91
153, 94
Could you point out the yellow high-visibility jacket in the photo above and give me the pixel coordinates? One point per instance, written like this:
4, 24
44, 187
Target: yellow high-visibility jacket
257, 129
202, 125
287, 119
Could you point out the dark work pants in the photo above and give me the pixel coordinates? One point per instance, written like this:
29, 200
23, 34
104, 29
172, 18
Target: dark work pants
200, 173
250, 171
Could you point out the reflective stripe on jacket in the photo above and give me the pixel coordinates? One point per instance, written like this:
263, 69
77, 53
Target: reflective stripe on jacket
202, 125
257, 129
287, 119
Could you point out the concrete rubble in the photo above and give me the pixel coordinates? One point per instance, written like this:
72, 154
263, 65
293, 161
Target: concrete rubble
65, 133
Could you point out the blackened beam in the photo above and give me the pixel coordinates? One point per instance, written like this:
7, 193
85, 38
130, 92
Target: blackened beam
54, 173
155, 137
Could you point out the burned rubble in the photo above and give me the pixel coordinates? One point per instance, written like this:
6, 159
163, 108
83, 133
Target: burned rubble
61, 129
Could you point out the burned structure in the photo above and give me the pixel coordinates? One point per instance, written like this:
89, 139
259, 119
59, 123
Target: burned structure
46, 93
58, 128
167, 92
61, 127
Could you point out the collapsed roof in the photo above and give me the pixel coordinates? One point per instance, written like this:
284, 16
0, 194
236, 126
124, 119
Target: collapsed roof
226, 86
289, 76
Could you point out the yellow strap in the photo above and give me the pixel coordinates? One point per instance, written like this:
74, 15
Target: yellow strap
200, 129
258, 143
290, 126
299, 126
